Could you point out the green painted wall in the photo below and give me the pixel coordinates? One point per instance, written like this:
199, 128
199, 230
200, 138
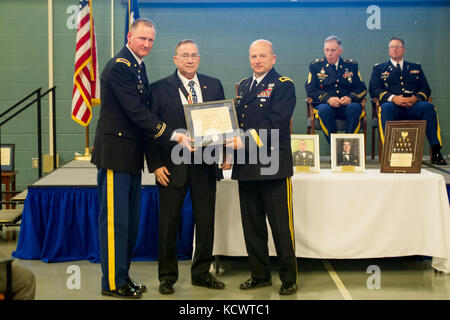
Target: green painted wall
223, 34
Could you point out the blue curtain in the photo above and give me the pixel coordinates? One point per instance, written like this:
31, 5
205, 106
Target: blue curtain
61, 224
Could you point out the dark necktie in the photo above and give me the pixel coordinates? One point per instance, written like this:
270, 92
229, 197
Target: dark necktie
143, 73
254, 85
193, 93
398, 67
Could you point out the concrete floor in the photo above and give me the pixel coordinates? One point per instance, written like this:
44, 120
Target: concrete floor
402, 278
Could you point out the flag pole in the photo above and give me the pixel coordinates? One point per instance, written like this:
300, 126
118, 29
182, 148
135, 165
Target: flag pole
93, 73
87, 153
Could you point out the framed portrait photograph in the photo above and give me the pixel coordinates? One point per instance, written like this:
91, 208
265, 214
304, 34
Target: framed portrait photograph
7, 157
210, 123
403, 146
347, 152
305, 152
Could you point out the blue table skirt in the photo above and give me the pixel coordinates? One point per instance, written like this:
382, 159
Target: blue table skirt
61, 224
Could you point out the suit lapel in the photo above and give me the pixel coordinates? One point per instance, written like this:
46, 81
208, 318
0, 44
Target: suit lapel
262, 85
173, 84
251, 95
203, 87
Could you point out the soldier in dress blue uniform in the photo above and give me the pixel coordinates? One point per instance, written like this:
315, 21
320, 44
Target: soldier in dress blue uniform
336, 87
403, 92
119, 156
265, 104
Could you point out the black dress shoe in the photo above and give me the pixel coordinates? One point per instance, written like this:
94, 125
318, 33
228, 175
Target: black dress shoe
253, 283
137, 286
209, 282
166, 287
437, 158
126, 291
288, 288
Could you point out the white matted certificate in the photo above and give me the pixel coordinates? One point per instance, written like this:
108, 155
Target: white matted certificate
211, 122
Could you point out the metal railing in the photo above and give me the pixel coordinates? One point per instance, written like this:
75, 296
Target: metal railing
38, 101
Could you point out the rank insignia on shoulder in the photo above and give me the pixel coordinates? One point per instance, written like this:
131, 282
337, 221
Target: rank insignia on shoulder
318, 60
284, 79
242, 80
123, 60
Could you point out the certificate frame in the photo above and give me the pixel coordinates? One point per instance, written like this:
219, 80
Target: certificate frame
398, 157
310, 160
7, 157
356, 161
218, 117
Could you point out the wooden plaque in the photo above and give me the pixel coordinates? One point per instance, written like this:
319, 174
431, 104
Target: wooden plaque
403, 146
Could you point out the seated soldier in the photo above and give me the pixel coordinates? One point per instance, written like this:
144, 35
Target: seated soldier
403, 92
336, 87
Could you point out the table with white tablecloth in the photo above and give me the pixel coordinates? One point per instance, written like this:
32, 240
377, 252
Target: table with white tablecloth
353, 215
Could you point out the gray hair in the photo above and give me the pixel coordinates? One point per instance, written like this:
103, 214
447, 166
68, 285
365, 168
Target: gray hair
333, 38
179, 44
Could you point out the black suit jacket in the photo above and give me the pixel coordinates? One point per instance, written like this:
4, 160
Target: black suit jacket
165, 102
268, 107
124, 117
352, 161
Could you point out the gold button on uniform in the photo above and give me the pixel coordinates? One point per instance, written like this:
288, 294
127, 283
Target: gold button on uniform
245, 107
243, 116
120, 134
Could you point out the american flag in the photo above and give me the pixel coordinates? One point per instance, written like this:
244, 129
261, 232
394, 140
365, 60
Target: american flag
86, 83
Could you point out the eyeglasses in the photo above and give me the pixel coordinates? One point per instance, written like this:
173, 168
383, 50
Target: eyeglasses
186, 56
395, 47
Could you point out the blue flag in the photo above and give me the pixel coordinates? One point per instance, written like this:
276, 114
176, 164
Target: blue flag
131, 15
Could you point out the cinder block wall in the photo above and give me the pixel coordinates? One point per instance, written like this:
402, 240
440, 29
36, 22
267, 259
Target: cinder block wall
223, 33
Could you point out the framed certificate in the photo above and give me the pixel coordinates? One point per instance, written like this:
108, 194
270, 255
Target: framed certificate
305, 152
211, 122
7, 157
403, 146
347, 152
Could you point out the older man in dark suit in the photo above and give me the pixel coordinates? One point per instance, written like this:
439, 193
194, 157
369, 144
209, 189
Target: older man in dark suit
167, 97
